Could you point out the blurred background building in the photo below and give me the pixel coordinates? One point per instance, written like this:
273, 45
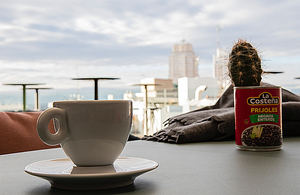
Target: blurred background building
182, 62
184, 91
220, 60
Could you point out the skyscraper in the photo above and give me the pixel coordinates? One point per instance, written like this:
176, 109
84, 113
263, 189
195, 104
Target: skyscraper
182, 61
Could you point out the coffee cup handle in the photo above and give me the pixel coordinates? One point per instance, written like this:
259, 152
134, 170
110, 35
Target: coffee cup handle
42, 126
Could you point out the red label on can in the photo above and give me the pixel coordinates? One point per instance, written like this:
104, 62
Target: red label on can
258, 116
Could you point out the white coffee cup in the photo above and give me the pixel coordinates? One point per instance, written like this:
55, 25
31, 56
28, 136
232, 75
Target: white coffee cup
91, 133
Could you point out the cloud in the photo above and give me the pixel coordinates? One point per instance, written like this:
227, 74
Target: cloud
49, 39
58, 74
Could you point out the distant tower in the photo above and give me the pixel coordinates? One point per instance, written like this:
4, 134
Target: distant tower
220, 60
182, 61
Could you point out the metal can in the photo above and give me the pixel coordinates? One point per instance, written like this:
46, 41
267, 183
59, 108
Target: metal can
258, 121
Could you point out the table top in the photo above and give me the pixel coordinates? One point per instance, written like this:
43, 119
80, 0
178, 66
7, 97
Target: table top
198, 168
273, 72
96, 78
23, 83
37, 88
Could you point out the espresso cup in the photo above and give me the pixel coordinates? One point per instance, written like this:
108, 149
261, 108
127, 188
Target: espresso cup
91, 133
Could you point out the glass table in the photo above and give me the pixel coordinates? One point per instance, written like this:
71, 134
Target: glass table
197, 168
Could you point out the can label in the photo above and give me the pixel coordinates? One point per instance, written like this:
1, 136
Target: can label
258, 122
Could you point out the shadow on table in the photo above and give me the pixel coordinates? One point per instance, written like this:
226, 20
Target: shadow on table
142, 186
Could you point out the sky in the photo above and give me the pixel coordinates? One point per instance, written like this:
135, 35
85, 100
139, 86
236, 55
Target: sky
52, 41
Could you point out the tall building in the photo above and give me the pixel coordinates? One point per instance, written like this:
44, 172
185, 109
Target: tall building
182, 61
220, 60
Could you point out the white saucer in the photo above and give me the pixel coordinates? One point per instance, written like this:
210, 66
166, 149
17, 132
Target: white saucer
63, 174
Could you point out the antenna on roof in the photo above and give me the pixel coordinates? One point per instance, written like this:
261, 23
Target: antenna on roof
218, 29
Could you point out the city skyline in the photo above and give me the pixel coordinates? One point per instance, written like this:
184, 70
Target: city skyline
54, 41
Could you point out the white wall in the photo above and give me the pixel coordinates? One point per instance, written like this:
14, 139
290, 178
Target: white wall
187, 87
